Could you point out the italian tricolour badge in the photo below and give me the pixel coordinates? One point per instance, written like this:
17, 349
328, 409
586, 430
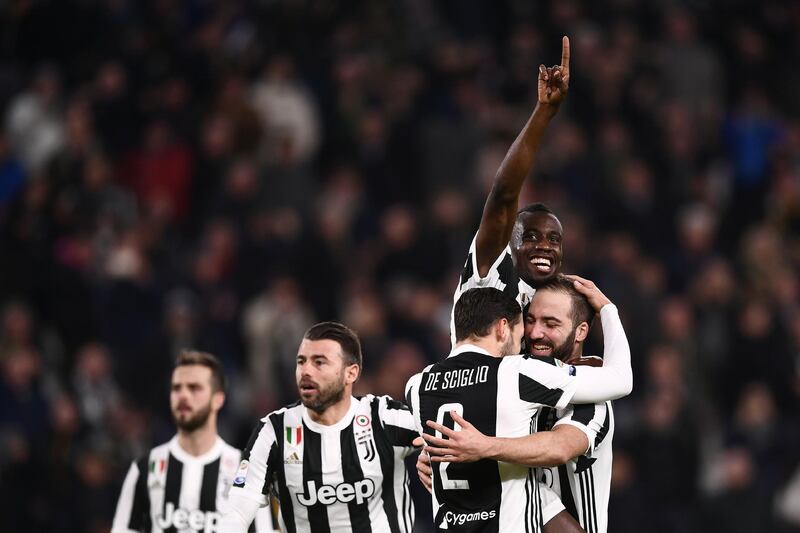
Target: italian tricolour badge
294, 436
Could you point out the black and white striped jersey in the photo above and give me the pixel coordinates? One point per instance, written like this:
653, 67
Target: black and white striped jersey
499, 396
502, 276
584, 483
349, 476
169, 490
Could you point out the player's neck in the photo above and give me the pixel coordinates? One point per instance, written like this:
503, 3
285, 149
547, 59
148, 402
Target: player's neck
486, 343
334, 413
575, 357
199, 441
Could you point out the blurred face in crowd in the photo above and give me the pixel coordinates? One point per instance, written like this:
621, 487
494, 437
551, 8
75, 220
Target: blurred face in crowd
536, 245
192, 398
549, 326
323, 378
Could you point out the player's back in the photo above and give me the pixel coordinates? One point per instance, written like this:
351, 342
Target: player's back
498, 396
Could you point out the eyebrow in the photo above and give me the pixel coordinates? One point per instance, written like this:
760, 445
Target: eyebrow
545, 318
187, 383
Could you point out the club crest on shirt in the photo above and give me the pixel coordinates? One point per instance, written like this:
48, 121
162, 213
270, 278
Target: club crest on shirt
366, 445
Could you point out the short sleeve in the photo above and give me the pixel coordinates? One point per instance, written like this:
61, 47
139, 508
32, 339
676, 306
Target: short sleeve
546, 384
589, 418
253, 476
398, 422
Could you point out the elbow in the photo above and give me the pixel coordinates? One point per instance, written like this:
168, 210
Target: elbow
562, 456
563, 451
628, 384
502, 193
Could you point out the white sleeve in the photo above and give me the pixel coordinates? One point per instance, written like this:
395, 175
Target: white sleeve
240, 514
615, 378
398, 423
543, 383
412, 398
247, 493
122, 515
588, 418
546, 384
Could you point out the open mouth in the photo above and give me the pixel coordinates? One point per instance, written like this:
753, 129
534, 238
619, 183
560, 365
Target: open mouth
542, 264
307, 388
539, 348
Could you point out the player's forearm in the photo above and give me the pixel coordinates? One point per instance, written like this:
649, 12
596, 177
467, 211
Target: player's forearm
540, 449
500, 211
615, 378
520, 158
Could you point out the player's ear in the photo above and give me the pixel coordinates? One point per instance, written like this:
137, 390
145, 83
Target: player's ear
218, 400
500, 328
352, 373
582, 332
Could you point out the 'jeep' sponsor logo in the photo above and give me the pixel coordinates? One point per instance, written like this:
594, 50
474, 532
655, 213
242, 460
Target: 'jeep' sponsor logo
195, 520
343, 492
462, 518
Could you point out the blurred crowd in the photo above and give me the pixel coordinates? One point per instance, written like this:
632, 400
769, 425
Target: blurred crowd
222, 174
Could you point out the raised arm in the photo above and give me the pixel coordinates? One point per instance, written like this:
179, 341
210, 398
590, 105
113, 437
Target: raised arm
500, 210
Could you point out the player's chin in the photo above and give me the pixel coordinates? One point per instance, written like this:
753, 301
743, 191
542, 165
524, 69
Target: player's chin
542, 276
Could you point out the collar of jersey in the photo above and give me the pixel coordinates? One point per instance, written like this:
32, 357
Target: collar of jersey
184, 456
316, 427
468, 348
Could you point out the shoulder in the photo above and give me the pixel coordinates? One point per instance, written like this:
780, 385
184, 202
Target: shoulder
228, 450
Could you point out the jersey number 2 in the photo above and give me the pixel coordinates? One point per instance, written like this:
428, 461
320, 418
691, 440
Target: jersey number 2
448, 483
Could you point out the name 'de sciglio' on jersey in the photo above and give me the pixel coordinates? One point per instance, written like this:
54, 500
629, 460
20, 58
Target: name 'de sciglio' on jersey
462, 377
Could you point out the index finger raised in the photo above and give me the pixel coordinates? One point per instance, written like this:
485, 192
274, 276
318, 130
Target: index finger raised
565, 53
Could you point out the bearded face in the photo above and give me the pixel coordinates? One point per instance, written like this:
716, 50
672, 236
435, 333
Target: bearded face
549, 328
189, 420
319, 396
191, 397
321, 374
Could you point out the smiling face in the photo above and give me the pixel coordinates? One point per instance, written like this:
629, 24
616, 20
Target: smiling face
322, 376
549, 326
536, 244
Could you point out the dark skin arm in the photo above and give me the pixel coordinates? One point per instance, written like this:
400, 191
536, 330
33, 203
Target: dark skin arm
563, 523
500, 210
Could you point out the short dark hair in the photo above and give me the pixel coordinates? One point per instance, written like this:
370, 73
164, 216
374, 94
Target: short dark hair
195, 357
581, 309
536, 207
346, 337
477, 309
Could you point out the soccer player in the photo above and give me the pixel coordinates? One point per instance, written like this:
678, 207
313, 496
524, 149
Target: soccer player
557, 323
335, 461
515, 250
500, 393
182, 485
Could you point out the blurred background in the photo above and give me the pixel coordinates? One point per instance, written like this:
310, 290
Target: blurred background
222, 174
